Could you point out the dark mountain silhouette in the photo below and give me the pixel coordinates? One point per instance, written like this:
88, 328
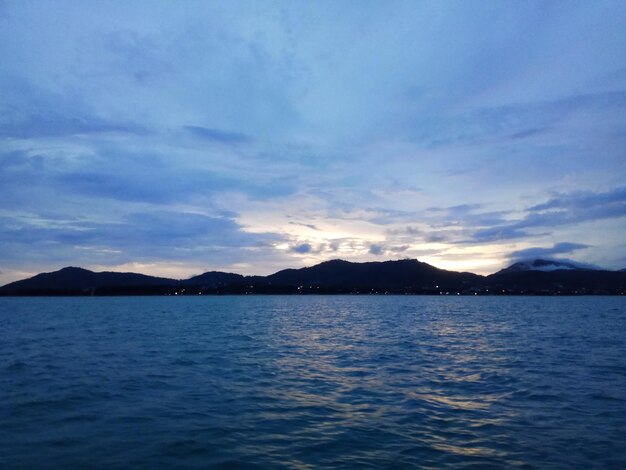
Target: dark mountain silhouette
544, 265
214, 279
408, 274
74, 280
558, 277
336, 277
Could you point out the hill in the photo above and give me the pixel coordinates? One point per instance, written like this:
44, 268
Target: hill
76, 281
407, 276
556, 277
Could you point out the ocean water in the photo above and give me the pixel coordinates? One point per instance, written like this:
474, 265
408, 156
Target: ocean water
313, 381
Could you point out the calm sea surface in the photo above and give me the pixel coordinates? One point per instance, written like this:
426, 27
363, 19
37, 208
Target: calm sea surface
298, 382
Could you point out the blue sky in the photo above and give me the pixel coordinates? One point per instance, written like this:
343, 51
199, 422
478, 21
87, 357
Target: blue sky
173, 138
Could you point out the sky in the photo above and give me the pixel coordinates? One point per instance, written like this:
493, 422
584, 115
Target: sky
174, 138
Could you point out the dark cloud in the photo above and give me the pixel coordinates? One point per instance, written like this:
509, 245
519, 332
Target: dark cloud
541, 252
528, 133
115, 174
564, 209
511, 122
302, 248
162, 235
376, 249
56, 125
218, 135
125, 187
437, 237
18, 168
583, 200
495, 234
457, 223
31, 112
156, 181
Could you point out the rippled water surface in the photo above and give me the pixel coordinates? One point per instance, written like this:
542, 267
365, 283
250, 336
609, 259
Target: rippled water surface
295, 382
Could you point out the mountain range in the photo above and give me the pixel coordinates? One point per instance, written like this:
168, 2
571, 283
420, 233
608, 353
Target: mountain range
409, 276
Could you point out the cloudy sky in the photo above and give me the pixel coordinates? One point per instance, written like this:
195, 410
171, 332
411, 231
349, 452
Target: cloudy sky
173, 138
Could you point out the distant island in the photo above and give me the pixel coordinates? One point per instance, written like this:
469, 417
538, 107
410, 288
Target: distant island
408, 276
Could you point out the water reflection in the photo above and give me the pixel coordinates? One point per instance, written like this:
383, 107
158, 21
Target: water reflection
344, 371
294, 382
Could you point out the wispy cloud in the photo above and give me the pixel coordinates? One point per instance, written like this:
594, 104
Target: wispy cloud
513, 121
115, 173
160, 235
218, 135
28, 112
563, 209
51, 125
582, 200
547, 252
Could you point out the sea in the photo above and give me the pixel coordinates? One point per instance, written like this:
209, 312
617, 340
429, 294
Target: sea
313, 382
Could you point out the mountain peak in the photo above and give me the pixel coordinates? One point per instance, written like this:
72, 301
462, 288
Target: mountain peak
545, 265
334, 262
73, 269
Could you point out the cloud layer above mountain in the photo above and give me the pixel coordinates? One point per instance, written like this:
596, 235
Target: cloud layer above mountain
182, 137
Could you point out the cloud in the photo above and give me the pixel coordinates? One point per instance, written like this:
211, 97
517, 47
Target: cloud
29, 112
512, 122
582, 200
302, 248
116, 118
496, 234
51, 125
139, 182
218, 135
376, 249
311, 226
438, 237
564, 209
541, 252
409, 230
110, 172
157, 235
527, 133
